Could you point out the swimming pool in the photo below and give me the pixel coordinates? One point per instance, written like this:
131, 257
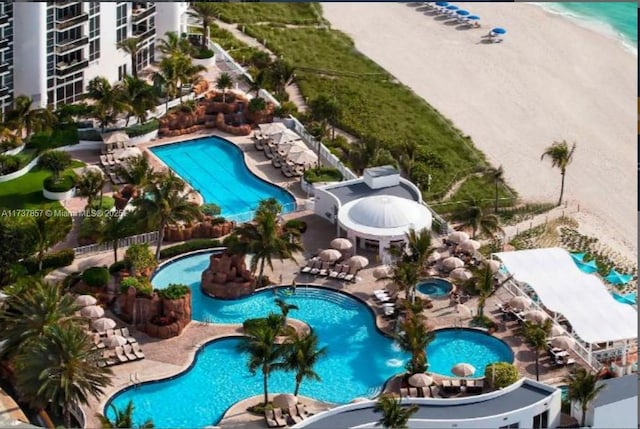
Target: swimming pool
215, 167
435, 288
357, 364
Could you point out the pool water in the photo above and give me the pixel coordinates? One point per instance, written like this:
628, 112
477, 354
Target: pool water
565, 392
435, 288
356, 364
216, 168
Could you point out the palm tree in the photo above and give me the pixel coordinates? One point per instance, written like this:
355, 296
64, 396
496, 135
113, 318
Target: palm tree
90, 186
302, 354
282, 74
472, 215
168, 203
55, 161
108, 100
123, 419
497, 175
285, 308
414, 338
223, 83
46, 231
536, 334
482, 284
394, 415
259, 81
140, 98
264, 354
327, 110
418, 246
584, 388
186, 71
173, 45
166, 77
136, 171
561, 156
368, 151
24, 119
206, 12
131, 47
115, 228
264, 238
405, 275
60, 369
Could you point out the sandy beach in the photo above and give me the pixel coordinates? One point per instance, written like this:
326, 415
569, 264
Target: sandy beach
551, 79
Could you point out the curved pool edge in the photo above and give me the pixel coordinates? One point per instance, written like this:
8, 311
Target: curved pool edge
454, 287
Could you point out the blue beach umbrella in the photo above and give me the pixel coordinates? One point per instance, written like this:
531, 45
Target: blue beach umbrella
452, 7
616, 278
499, 30
462, 12
578, 257
587, 267
473, 18
442, 3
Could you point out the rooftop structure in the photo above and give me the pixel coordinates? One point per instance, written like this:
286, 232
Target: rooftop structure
616, 406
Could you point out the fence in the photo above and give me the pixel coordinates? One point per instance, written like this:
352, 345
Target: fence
148, 238
228, 59
249, 215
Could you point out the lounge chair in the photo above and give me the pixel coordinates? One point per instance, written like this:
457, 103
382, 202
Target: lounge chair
324, 270
351, 275
97, 342
268, 417
109, 357
302, 412
137, 351
128, 352
278, 417
404, 392
316, 268
125, 333
268, 152
121, 355
294, 417
339, 269
286, 171
308, 267
276, 161
103, 160
413, 392
475, 386
111, 160
258, 144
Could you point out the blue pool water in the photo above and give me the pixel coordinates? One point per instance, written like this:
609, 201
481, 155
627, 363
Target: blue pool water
435, 288
216, 168
565, 391
356, 364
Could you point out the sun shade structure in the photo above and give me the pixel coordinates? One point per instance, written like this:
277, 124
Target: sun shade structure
341, 244
420, 380
115, 137
469, 246
103, 324
492, 264
460, 274
382, 271
92, 311
330, 255
458, 236
520, 302
616, 278
285, 400
451, 263
463, 369
272, 128
85, 300
583, 299
587, 267
284, 137
357, 262
115, 341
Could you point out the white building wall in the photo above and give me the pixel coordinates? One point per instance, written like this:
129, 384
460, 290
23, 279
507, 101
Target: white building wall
110, 56
30, 51
325, 205
170, 16
622, 415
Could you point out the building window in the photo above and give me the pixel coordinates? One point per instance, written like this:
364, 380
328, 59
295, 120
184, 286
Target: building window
122, 72
94, 27
511, 426
94, 50
121, 34
541, 420
94, 7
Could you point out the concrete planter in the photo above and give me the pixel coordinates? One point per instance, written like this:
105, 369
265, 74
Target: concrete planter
59, 196
207, 62
144, 138
14, 151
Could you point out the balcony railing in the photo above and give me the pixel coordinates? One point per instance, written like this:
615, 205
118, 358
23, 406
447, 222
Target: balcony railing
69, 21
143, 33
64, 69
60, 4
141, 13
71, 44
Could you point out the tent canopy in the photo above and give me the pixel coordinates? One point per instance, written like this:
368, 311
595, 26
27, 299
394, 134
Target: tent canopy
582, 298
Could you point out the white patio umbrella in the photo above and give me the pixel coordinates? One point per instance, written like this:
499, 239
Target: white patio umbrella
536, 316
341, 244
329, 255
306, 157
357, 262
463, 369
433, 257
420, 380
115, 137
492, 264
469, 246
284, 137
130, 152
91, 168
285, 400
382, 271
85, 300
103, 324
458, 236
115, 341
463, 310
460, 274
92, 311
556, 331
272, 128
292, 146
563, 342
451, 263
520, 302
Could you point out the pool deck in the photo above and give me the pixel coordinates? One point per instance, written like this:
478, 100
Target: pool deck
166, 358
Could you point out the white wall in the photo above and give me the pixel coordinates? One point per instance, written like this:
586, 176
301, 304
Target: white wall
30, 51
110, 56
169, 17
622, 414
324, 202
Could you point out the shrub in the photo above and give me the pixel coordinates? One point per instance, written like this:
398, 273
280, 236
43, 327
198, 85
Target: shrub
174, 291
9, 164
297, 224
62, 135
53, 260
501, 374
142, 129
257, 104
202, 53
189, 246
287, 108
107, 203
210, 209
55, 161
96, 276
141, 285
322, 174
116, 267
140, 258
63, 184
90, 134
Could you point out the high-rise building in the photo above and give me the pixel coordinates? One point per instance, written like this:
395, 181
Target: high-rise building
6, 55
58, 47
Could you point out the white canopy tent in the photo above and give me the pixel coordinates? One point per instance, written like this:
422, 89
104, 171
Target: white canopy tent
581, 298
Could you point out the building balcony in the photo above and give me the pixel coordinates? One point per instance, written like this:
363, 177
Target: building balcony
64, 69
66, 22
143, 33
141, 13
71, 44
61, 4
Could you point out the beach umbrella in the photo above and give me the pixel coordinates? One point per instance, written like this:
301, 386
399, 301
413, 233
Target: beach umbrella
85, 300
520, 302
463, 369
420, 380
492, 264
452, 7
442, 3
462, 12
460, 274
469, 246
115, 137
451, 263
434, 256
587, 267
92, 311
563, 342
284, 137
463, 310
556, 330
357, 262
458, 236
292, 145
103, 324
536, 316
272, 128
382, 271
341, 244
91, 168
130, 152
285, 400
578, 257
329, 255
115, 341
616, 278
473, 18
305, 157
499, 30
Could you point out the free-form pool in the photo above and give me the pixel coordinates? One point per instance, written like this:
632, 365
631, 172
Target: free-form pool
215, 167
435, 288
358, 362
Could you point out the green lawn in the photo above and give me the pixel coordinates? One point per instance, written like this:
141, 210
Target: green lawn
26, 192
283, 13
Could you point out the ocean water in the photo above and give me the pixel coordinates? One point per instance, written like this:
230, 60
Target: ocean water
616, 18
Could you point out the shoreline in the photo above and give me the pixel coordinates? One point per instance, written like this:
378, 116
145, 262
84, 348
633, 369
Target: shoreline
515, 98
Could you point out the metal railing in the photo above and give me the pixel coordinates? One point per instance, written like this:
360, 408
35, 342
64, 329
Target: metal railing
147, 238
249, 215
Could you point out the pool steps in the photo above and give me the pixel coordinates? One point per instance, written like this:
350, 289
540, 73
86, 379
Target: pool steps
337, 298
